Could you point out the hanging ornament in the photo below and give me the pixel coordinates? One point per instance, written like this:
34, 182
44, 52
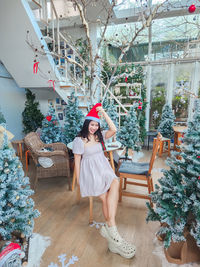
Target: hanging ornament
19, 166
1, 222
199, 177
126, 79
52, 84
35, 66
198, 157
29, 222
6, 164
6, 171
48, 118
192, 8
12, 220
17, 197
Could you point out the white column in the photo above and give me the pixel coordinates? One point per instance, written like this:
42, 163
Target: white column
194, 89
170, 84
148, 83
149, 73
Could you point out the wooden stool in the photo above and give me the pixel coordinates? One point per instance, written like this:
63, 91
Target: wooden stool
161, 149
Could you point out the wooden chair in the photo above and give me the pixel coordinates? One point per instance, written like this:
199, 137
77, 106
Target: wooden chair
138, 171
58, 154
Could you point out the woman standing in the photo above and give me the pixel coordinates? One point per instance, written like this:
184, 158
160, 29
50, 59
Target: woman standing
96, 177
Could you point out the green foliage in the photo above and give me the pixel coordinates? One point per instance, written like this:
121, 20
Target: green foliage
31, 116
51, 130
106, 72
73, 119
129, 132
167, 122
177, 197
2, 118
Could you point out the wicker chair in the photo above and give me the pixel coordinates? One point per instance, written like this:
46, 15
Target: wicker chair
59, 156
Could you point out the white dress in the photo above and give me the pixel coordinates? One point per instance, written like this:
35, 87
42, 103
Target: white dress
96, 174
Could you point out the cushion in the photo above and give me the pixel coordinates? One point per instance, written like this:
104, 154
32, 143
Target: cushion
45, 162
134, 167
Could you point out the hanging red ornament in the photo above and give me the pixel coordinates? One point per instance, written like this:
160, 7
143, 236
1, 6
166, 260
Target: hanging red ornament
198, 157
48, 118
139, 107
126, 79
199, 177
192, 8
52, 84
35, 67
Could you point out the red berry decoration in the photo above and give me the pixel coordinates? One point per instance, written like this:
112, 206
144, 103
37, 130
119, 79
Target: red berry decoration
192, 8
48, 118
126, 79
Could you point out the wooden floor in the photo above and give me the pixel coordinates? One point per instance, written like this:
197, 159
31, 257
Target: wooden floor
66, 223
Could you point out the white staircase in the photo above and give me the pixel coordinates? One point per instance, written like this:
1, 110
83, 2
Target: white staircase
23, 44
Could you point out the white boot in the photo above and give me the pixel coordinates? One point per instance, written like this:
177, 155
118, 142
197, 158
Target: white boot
116, 243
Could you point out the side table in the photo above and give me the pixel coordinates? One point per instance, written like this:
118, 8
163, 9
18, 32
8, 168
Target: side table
18, 143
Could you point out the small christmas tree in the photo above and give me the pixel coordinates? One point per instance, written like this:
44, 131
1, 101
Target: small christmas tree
32, 116
111, 110
51, 130
73, 119
177, 198
129, 132
17, 209
2, 119
167, 122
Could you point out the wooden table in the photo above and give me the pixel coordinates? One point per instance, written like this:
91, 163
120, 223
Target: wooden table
18, 143
178, 132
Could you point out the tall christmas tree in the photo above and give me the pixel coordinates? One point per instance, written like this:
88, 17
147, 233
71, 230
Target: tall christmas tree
73, 119
2, 118
51, 130
130, 131
32, 116
17, 211
167, 122
177, 198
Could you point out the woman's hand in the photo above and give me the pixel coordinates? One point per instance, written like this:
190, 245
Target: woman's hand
100, 110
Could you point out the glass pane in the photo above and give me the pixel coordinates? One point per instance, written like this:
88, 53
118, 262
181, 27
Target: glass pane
158, 94
180, 101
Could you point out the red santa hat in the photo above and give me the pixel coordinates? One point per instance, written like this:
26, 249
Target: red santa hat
93, 114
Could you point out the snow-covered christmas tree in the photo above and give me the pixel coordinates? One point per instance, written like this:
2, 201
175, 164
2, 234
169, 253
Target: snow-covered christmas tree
17, 211
111, 110
167, 121
130, 131
177, 198
51, 130
73, 119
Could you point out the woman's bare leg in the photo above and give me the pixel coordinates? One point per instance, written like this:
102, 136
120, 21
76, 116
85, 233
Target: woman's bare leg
112, 201
103, 198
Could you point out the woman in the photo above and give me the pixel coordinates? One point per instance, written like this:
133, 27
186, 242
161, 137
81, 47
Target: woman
96, 177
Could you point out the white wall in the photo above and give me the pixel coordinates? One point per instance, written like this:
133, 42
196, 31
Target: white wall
12, 99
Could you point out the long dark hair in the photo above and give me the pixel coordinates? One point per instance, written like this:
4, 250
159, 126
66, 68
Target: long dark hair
84, 133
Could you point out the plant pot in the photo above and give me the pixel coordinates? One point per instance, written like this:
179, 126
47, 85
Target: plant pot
183, 252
